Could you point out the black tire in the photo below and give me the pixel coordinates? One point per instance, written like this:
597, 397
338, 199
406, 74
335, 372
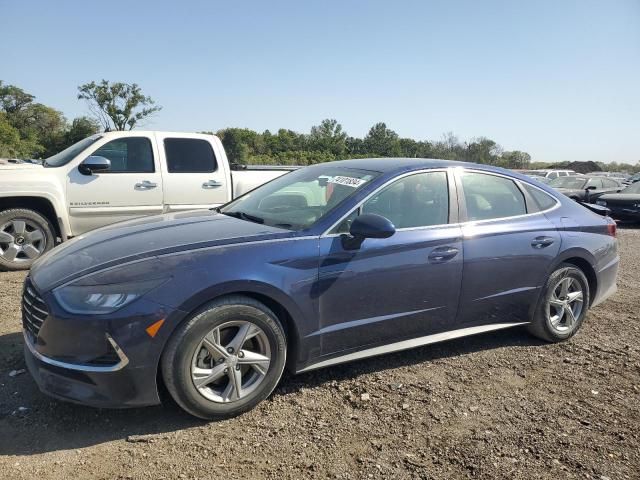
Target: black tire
541, 325
177, 357
22, 261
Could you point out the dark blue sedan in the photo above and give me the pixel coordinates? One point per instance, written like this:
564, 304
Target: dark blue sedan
327, 264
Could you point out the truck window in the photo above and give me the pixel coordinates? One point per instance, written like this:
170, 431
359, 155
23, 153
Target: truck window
128, 155
189, 155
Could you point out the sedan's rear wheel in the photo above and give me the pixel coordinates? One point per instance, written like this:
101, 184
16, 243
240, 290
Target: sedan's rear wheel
226, 359
562, 306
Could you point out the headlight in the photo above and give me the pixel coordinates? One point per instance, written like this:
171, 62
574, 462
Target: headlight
99, 299
601, 203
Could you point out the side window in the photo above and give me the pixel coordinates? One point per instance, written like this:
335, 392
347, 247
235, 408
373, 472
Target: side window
595, 182
543, 200
189, 155
419, 200
490, 196
128, 155
553, 175
607, 183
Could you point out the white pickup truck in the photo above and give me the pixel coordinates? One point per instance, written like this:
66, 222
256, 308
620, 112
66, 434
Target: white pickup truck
110, 177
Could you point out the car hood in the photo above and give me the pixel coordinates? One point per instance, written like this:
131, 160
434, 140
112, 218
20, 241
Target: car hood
142, 238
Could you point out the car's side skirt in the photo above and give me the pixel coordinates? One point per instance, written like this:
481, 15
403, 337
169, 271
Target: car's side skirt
407, 344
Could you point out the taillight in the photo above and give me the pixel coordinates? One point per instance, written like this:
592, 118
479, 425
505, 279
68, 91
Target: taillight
612, 228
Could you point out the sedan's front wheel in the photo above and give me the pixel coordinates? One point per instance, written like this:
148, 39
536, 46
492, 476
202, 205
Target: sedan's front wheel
562, 306
226, 359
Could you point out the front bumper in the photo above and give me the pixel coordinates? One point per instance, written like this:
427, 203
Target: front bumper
88, 385
103, 361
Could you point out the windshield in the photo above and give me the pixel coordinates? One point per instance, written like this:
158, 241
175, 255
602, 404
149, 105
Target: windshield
568, 182
297, 200
69, 153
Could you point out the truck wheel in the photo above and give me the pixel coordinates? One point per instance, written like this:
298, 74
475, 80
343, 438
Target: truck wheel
24, 236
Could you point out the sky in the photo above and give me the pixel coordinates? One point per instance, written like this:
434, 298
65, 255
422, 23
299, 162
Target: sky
559, 79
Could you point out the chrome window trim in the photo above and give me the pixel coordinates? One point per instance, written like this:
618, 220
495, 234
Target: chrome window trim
514, 180
450, 171
124, 361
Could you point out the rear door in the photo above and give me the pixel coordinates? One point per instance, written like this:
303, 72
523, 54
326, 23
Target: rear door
195, 174
509, 245
131, 188
401, 287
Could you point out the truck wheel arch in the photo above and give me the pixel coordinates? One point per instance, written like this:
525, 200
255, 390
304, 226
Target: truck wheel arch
40, 205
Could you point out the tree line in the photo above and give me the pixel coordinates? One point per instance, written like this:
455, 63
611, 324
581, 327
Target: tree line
29, 129
328, 141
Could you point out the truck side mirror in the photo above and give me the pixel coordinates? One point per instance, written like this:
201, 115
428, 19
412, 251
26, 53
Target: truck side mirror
94, 163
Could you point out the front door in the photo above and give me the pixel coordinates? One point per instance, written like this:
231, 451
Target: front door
402, 287
131, 188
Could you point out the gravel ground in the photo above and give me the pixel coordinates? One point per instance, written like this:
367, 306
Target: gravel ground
499, 405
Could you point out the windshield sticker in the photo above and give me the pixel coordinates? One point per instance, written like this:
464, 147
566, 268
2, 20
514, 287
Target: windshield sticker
348, 181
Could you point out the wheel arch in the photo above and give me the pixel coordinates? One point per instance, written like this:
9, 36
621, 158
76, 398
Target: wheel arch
40, 205
276, 300
585, 261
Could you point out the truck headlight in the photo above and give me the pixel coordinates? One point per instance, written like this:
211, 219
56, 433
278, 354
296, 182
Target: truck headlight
100, 299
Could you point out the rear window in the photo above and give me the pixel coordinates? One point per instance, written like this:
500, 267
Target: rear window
490, 196
189, 155
543, 200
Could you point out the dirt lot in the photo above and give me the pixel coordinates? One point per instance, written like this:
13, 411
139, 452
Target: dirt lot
497, 405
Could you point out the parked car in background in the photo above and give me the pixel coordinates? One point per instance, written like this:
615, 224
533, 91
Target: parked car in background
617, 176
585, 188
634, 178
549, 174
534, 175
110, 177
624, 205
331, 263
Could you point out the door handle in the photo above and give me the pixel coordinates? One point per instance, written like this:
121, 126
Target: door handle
442, 254
541, 242
146, 185
211, 184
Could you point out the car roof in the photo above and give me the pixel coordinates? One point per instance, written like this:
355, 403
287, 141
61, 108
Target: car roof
399, 164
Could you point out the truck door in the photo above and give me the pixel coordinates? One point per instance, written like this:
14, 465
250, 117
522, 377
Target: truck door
195, 175
131, 188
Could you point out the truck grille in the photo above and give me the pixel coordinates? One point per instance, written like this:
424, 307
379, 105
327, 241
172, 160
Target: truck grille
34, 310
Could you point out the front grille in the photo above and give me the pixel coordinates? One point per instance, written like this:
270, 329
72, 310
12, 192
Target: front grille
34, 310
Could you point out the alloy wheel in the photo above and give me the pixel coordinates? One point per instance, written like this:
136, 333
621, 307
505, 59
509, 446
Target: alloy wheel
565, 304
21, 240
231, 361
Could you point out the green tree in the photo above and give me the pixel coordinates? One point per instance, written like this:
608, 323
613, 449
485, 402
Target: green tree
382, 141
118, 105
81, 127
328, 137
482, 150
515, 159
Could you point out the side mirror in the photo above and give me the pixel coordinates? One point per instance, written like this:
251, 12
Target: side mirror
93, 164
591, 187
367, 225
